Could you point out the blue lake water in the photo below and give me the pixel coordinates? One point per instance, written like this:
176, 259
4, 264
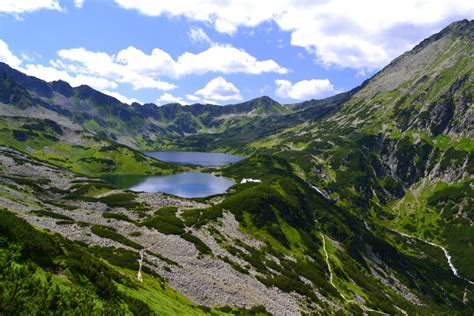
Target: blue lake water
186, 184
195, 158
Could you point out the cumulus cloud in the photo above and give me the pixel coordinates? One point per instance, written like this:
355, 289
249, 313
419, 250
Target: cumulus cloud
218, 89
141, 70
225, 59
169, 98
80, 60
7, 56
23, 6
219, 58
304, 89
364, 34
158, 62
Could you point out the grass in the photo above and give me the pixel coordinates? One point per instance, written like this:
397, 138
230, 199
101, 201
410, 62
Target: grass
94, 158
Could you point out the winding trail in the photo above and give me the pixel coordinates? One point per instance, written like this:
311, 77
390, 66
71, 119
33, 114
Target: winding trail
140, 263
331, 280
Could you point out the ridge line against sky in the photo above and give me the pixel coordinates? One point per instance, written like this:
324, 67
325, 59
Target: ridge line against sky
215, 51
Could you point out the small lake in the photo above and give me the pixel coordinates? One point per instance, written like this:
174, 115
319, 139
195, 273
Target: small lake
186, 184
195, 157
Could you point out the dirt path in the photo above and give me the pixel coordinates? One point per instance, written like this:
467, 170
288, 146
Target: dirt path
140, 263
331, 280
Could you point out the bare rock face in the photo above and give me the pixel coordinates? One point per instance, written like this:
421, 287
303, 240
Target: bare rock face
211, 281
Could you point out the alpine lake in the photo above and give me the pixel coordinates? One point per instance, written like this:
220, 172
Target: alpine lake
187, 184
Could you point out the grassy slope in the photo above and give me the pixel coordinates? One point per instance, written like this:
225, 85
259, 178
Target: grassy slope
291, 219
88, 154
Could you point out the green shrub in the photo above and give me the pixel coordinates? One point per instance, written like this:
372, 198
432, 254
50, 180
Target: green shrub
65, 222
125, 200
200, 245
117, 256
136, 306
200, 217
51, 214
109, 233
164, 227
170, 210
159, 256
118, 216
166, 221
234, 265
64, 206
36, 246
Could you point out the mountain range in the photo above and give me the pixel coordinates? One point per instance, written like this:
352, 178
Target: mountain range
365, 203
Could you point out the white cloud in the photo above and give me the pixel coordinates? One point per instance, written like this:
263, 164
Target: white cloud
101, 64
158, 62
197, 35
78, 3
169, 98
7, 56
219, 58
225, 59
224, 26
51, 74
218, 89
364, 34
304, 89
141, 70
192, 98
121, 97
23, 6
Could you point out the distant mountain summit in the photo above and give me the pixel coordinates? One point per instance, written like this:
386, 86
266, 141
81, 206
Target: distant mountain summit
135, 124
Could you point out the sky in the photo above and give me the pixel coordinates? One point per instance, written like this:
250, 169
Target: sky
220, 51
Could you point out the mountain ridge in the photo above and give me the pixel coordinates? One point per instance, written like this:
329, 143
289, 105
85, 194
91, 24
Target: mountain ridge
364, 202
105, 114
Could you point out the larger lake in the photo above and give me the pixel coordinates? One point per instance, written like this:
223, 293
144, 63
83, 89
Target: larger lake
186, 184
195, 157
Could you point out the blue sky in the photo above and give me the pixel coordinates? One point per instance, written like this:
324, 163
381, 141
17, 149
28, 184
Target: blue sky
215, 51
